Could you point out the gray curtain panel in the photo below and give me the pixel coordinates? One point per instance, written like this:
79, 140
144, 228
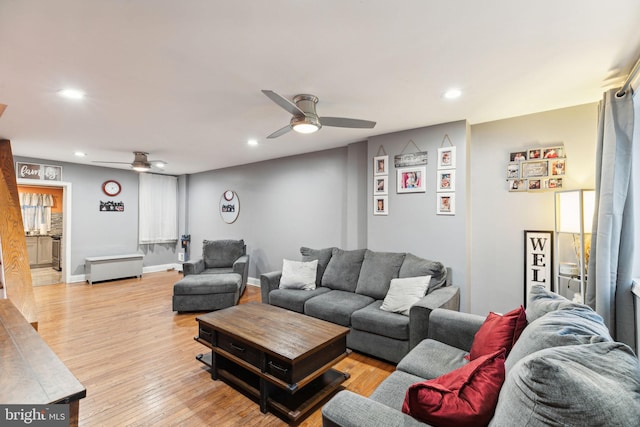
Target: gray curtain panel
611, 263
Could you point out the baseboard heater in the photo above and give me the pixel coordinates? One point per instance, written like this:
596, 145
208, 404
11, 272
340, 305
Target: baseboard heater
110, 267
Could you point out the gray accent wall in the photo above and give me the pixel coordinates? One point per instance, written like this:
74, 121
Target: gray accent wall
499, 217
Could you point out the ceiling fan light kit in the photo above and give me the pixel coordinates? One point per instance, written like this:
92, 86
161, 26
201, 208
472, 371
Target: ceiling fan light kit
305, 119
141, 163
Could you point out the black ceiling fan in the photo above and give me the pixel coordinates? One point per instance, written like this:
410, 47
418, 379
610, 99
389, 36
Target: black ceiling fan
305, 119
140, 162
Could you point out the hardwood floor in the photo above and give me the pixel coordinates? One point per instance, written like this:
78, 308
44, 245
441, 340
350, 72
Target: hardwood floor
136, 357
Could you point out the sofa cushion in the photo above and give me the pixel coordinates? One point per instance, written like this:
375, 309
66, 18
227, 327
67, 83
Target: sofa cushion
466, 396
205, 284
543, 301
413, 266
430, 359
343, 269
221, 253
498, 331
336, 306
405, 292
322, 255
293, 299
378, 269
570, 326
596, 384
298, 275
392, 390
372, 319
218, 270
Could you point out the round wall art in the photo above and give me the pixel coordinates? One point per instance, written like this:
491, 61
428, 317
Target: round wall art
229, 206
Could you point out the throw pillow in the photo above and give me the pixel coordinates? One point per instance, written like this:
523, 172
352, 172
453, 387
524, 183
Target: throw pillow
298, 275
466, 396
378, 268
414, 266
403, 293
591, 384
322, 255
498, 331
343, 270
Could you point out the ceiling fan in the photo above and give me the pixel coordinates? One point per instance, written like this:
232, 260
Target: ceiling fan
305, 119
140, 162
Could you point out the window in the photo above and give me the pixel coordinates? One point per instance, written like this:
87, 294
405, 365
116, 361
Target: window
158, 211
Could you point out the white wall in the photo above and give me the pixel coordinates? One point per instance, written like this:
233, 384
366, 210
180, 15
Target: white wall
499, 217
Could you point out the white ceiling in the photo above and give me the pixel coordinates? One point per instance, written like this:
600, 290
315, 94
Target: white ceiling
182, 79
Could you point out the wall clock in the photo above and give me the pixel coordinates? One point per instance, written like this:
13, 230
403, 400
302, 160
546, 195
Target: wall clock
111, 187
229, 206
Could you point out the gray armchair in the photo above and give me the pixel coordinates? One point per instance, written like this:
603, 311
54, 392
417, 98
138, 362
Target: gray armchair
221, 257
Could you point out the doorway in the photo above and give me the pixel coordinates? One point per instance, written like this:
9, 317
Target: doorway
47, 275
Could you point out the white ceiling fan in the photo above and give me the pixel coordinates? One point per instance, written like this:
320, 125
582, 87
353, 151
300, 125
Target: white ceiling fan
305, 119
140, 162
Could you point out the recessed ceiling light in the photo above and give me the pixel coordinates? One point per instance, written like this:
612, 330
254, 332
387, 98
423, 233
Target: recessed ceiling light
71, 93
80, 154
452, 93
160, 165
252, 142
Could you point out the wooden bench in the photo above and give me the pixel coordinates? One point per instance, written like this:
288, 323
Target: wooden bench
111, 267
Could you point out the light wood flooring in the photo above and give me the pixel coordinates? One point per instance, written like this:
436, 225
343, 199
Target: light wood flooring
136, 357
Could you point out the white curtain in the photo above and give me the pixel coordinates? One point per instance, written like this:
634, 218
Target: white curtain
36, 211
611, 262
158, 211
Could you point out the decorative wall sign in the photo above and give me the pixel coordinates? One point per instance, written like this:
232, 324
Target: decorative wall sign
111, 206
538, 260
410, 159
229, 206
38, 171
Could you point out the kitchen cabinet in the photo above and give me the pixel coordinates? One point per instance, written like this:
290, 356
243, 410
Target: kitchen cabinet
39, 251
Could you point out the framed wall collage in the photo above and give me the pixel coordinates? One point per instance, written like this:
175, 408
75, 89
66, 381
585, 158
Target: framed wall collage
446, 181
536, 169
381, 185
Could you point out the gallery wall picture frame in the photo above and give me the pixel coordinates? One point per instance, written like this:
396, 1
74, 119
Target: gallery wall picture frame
517, 184
552, 183
411, 179
557, 166
446, 203
534, 169
534, 153
517, 156
553, 152
380, 205
381, 165
538, 260
447, 157
446, 180
513, 170
380, 185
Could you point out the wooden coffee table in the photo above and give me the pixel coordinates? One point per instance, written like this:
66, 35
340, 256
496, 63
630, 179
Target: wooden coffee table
280, 357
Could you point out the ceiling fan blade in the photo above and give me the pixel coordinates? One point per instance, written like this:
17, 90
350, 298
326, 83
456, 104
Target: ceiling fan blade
118, 163
343, 122
284, 103
280, 132
2, 108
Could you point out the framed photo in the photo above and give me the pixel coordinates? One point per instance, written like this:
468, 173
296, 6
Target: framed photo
380, 185
447, 158
534, 169
557, 166
446, 204
534, 184
513, 170
552, 183
534, 153
381, 165
380, 205
553, 152
446, 180
518, 156
517, 184
538, 260
411, 179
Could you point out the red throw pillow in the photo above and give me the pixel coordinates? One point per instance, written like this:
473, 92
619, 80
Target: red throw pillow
465, 397
498, 331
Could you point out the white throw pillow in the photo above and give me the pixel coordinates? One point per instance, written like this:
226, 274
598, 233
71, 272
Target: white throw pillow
403, 293
298, 275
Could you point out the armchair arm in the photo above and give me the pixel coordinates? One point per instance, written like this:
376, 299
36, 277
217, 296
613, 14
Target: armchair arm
348, 409
454, 328
241, 266
193, 267
269, 282
445, 297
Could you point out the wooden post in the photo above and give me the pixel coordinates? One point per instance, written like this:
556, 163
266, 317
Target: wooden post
15, 261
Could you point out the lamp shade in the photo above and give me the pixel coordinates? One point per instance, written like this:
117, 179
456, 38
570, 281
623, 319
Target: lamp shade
574, 211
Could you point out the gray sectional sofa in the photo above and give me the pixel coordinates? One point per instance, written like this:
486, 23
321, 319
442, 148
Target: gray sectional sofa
350, 288
564, 370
